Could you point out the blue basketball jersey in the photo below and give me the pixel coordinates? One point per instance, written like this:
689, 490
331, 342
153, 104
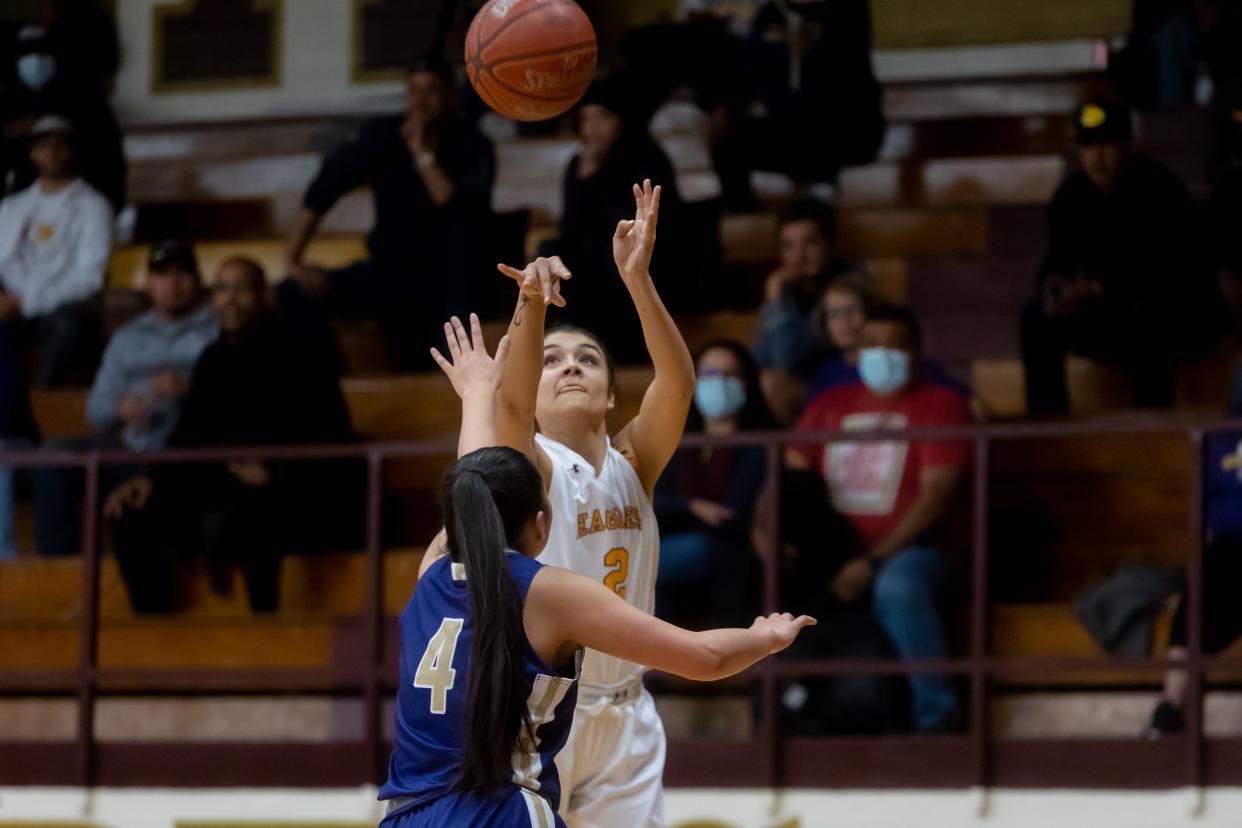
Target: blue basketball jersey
432, 699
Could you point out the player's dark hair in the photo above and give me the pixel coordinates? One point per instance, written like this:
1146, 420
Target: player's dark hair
488, 496
609, 362
813, 210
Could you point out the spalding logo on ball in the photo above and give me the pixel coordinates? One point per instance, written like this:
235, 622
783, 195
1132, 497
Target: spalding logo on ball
531, 60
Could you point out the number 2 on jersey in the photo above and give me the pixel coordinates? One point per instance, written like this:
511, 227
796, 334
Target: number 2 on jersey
435, 670
619, 560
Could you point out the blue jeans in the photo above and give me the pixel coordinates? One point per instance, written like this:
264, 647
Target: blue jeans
904, 603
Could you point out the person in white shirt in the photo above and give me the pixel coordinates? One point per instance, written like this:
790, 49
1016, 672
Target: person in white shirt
55, 239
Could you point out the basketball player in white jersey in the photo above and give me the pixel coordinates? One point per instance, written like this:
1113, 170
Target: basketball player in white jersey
600, 491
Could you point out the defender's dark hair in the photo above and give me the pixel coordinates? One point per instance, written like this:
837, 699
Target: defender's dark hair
811, 209
609, 362
755, 414
900, 315
487, 497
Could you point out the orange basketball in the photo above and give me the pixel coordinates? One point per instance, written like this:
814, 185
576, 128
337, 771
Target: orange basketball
531, 60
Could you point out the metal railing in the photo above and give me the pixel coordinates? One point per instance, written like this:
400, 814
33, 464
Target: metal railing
772, 759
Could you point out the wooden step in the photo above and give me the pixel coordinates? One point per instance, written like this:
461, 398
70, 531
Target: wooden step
173, 645
955, 182
49, 589
1094, 388
129, 263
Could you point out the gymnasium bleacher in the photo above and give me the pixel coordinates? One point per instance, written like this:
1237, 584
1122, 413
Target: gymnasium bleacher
948, 220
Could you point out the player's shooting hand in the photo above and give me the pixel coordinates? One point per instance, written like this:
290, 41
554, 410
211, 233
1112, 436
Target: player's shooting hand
471, 370
541, 280
634, 241
783, 628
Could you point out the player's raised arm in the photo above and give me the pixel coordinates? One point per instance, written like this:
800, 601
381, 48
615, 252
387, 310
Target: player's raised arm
475, 377
563, 606
539, 286
651, 438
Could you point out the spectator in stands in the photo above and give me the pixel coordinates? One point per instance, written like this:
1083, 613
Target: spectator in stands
1123, 260
598, 189
44, 87
706, 498
138, 392
895, 494
55, 238
789, 329
1221, 614
431, 178
811, 64
252, 387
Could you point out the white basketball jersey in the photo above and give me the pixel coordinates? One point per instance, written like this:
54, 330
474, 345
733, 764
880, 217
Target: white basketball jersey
603, 527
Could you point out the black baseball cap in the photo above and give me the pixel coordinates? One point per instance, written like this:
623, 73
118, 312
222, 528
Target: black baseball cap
1103, 121
170, 253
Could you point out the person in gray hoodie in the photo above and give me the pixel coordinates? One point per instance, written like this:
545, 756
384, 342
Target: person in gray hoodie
138, 392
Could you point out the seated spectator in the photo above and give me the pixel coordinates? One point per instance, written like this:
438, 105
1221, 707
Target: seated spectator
137, 395
1123, 261
896, 495
810, 63
598, 188
45, 86
706, 498
1221, 614
788, 330
431, 178
252, 387
55, 239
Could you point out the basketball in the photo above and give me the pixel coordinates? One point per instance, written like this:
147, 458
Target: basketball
531, 60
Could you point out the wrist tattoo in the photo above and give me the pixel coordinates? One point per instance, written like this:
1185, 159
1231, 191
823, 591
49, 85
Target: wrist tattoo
517, 316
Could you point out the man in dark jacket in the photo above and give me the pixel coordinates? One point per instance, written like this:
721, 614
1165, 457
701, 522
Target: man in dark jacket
1124, 278
431, 178
252, 387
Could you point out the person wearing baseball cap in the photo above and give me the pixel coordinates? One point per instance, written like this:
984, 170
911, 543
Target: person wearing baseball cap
55, 239
1124, 278
139, 389
45, 84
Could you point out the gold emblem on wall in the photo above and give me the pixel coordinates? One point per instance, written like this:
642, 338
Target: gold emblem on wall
212, 45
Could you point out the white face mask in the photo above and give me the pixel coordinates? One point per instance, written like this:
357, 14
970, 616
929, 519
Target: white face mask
36, 70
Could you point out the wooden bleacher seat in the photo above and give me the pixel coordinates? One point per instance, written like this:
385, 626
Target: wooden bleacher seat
128, 265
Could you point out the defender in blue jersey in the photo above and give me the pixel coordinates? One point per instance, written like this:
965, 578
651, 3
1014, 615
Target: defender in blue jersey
491, 639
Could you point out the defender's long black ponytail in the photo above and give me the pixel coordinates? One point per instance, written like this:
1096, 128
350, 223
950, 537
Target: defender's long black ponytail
487, 498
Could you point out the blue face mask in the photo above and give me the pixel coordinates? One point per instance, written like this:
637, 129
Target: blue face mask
719, 396
36, 70
884, 370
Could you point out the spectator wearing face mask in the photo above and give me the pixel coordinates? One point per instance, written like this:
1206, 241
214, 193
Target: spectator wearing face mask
895, 494
45, 85
706, 498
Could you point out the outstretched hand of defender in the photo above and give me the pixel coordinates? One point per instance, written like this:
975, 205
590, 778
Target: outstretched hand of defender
783, 628
540, 281
634, 240
471, 370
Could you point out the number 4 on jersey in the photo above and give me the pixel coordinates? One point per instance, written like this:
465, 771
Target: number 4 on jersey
435, 670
